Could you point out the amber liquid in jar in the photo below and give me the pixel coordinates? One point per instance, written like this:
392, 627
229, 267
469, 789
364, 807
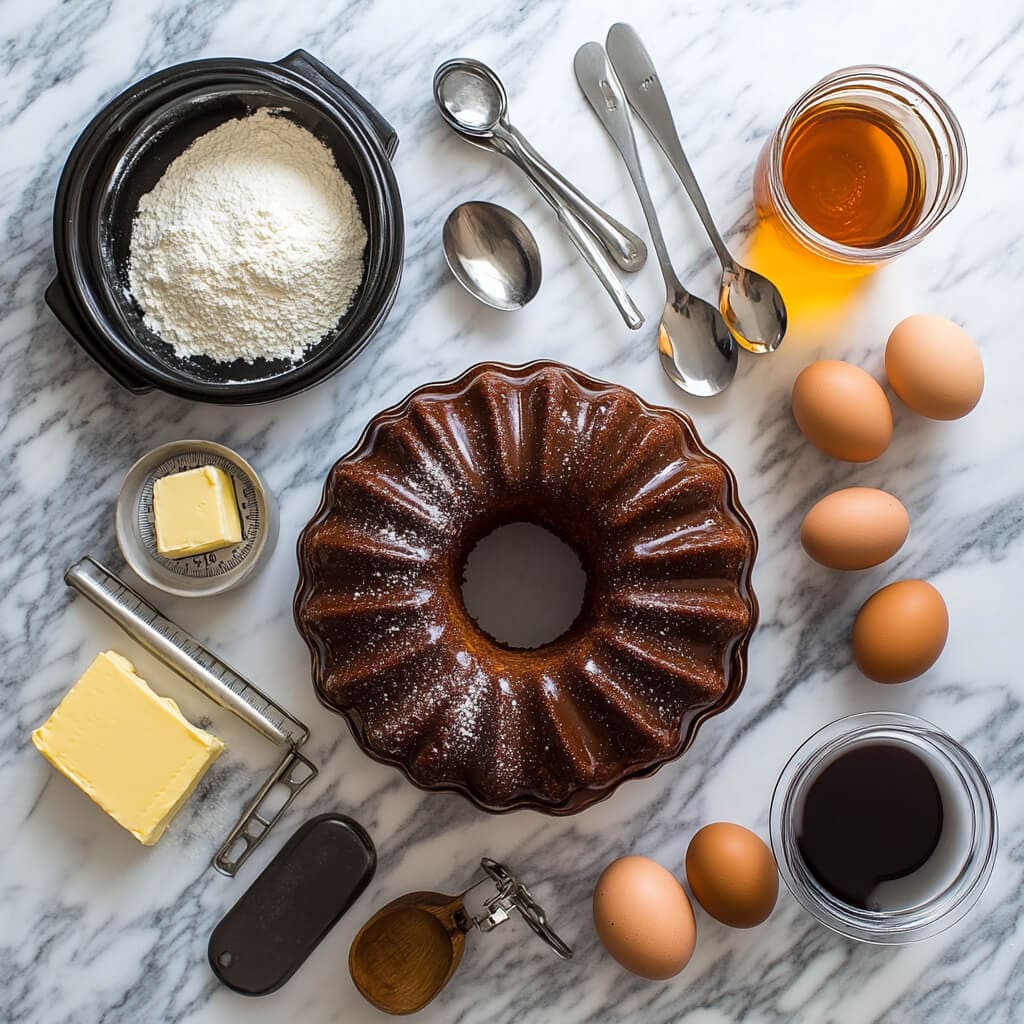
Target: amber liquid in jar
853, 175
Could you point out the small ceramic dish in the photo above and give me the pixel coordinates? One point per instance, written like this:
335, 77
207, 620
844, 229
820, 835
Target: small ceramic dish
120, 157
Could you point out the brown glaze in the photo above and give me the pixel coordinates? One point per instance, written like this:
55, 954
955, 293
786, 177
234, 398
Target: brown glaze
659, 646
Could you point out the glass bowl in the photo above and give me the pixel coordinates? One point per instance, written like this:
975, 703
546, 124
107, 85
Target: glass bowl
957, 871
925, 118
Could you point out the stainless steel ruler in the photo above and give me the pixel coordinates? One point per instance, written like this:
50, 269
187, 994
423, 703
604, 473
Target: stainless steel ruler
193, 661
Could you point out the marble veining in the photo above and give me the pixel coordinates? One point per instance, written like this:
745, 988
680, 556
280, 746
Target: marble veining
93, 928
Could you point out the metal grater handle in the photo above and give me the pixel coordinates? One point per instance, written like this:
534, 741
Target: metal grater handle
294, 772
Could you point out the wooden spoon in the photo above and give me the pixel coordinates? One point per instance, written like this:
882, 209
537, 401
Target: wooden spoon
408, 951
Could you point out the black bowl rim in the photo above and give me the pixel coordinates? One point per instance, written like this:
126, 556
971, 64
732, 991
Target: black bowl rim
384, 201
104, 288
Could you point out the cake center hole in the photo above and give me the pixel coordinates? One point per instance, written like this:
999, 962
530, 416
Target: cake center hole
523, 586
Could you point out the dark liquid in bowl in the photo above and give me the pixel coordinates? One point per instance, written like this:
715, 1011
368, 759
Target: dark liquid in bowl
872, 815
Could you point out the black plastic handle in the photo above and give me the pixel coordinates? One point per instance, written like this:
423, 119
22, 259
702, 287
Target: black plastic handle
61, 307
315, 71
281, 918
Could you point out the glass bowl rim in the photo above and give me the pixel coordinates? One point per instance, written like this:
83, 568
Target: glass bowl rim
886, 78
886, 927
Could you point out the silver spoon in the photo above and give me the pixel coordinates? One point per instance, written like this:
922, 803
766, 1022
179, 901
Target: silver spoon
472, 100
752, 306
492, 254
697, 351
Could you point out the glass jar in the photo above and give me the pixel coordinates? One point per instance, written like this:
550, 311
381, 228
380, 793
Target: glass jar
963, 858
917, 112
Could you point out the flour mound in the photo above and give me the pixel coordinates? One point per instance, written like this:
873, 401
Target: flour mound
250, 245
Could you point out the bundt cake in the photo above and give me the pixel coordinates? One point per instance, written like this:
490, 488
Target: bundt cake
659, 645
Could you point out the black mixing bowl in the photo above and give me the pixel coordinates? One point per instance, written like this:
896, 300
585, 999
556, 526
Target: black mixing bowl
120, 157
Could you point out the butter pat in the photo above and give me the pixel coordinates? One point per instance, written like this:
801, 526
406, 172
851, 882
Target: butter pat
195, 512
132, 752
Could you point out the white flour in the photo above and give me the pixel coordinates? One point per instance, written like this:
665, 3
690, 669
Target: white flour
251, 244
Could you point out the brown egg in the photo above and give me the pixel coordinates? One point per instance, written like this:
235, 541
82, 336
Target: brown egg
732, 874
934, 367
855, 528
900, 631
644, 918
842, 410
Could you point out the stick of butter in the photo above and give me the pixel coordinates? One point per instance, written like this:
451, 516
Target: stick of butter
194, 512
132, 752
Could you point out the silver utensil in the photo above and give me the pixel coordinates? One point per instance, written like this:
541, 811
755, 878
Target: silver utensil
749, 302
492, 254
697, 351
472, 99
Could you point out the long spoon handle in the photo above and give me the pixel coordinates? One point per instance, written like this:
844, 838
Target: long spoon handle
580, 235
646, 96
603, 92
625, 247
596, 259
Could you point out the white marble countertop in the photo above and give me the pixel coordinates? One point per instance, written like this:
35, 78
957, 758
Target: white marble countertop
95, 928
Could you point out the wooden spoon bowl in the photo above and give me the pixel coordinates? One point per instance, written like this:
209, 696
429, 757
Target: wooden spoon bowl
408, 951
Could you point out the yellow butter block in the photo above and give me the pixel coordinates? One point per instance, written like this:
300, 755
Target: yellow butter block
194, 512
132, 752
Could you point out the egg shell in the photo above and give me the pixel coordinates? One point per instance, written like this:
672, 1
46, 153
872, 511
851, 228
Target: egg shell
934, 367
732, 874
644, 918
855, 528
842, 410
900, 631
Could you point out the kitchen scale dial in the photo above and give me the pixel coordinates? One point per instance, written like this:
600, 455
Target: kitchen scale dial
194, 575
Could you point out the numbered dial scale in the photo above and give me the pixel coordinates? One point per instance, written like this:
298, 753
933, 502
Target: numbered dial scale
195, 575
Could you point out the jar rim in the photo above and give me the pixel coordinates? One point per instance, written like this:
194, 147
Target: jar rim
898, 85
924, 919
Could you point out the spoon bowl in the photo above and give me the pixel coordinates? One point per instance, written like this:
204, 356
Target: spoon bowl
408, 951
492, 254
470, 97
697, 351
753, 308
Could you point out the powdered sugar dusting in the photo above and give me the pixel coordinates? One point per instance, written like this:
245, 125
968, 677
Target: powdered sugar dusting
545, 725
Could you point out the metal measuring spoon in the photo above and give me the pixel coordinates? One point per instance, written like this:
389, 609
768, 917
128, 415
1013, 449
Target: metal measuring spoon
697, 351
750, 303
492, 254
472, 100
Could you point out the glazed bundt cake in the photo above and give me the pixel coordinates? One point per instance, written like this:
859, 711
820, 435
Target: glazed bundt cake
659, 645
